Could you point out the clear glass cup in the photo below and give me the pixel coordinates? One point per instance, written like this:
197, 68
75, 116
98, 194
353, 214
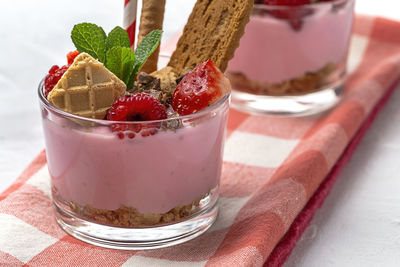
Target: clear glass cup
292, 59
135, 185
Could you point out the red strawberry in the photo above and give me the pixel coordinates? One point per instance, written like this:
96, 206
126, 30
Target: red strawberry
137, 107
71, 56
200, 88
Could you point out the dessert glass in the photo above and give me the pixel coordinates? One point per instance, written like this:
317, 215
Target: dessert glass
146, 185
292, 59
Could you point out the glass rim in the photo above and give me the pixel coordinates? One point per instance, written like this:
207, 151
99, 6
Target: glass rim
43, 100
266, 7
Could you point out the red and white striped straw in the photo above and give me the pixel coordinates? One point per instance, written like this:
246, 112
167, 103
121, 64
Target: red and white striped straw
129, 23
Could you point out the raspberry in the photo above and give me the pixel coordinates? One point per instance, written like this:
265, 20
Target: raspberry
137, 107
55, 74
200, 88
54, 69
71, 56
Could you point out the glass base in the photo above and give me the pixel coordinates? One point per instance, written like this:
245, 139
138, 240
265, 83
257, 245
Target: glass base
139, 238
296, 105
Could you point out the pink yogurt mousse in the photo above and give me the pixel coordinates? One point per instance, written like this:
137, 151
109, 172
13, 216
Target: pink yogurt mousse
153, 174
271, 50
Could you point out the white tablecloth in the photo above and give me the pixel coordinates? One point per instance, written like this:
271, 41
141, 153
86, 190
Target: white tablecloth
359, 224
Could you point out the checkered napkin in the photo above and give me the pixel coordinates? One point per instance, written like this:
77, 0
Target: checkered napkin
276, 173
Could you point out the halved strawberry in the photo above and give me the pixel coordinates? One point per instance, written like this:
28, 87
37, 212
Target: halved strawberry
200, 88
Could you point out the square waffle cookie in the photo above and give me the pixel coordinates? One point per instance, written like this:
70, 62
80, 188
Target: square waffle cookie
87, 88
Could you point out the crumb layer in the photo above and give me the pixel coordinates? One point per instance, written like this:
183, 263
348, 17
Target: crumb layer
306, 83
130, 216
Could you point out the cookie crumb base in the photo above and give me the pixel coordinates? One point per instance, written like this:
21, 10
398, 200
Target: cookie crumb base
131, 217
307, 83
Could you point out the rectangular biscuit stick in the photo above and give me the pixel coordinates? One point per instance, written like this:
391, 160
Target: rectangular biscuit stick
213, 31
152, 17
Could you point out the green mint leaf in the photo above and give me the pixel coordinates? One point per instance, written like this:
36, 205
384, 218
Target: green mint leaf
120, 61
132, 77
117, 37
146, 47
90, 38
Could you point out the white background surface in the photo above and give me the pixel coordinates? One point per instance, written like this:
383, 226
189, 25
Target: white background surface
359, 223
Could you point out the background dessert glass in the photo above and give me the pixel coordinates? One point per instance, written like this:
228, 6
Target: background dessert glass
292, 59
145, 185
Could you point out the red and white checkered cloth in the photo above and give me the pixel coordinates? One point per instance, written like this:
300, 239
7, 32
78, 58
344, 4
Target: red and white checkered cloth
277, 171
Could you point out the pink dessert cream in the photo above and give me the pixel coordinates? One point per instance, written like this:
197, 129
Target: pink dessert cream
129, 149
293, 47
145, 180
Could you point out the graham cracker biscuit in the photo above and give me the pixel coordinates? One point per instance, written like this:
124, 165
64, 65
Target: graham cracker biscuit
213, 31
151, 18
87, 88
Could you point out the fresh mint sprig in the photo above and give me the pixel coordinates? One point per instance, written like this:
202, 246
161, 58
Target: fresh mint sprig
117, 37
146, 47
90, 38
121, 61
114, 51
